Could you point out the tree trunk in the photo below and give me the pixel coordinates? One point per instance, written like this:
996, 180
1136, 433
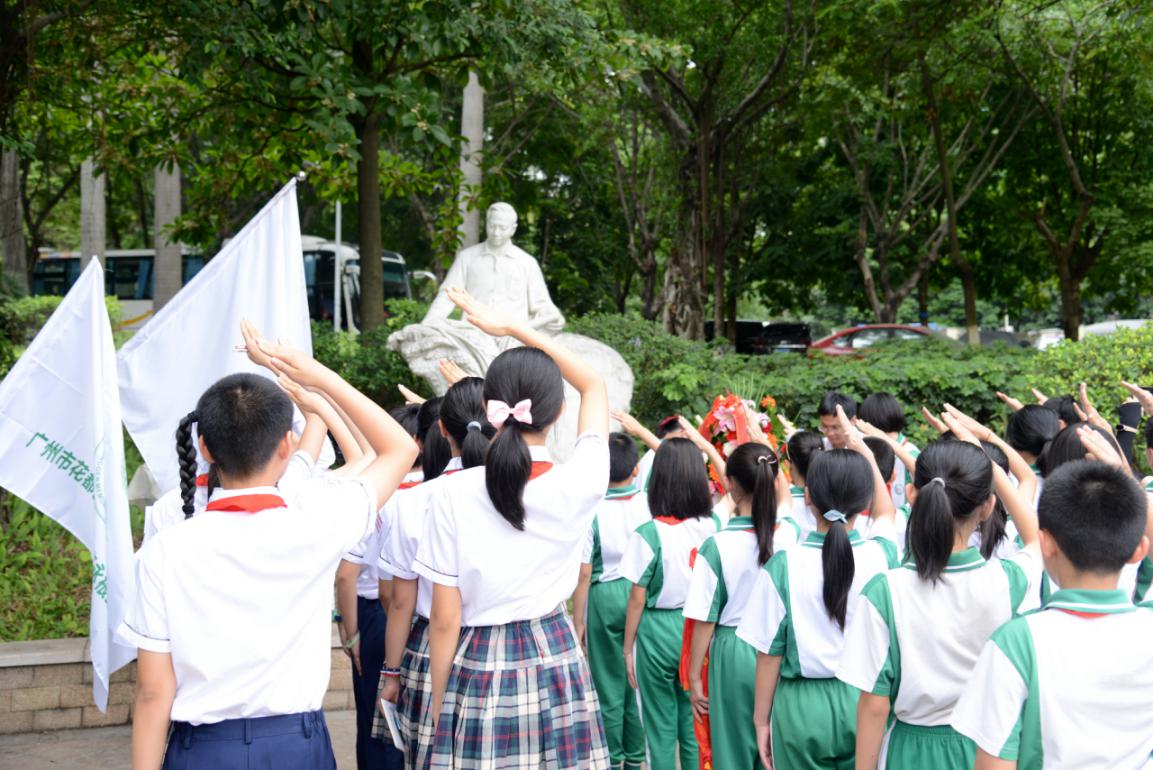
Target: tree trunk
969, 287
92, 213
1070, 295
12, 245
923, 299
368, 208
472, 129
168, 266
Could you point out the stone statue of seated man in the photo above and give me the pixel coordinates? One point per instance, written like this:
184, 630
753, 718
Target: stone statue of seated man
500, 274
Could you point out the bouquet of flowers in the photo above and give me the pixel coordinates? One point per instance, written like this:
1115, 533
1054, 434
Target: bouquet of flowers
731, 420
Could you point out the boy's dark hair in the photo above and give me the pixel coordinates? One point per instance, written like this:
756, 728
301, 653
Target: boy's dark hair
839, 480
1031, 428
679, 484
622, 457
953, 480
1063, 406
883, 412
668, 425
831, 400
884, 456
407, 417
801, 448
434, 449
753, 468
1067, 447
462, 414
513, 376
242, 419
1095, 512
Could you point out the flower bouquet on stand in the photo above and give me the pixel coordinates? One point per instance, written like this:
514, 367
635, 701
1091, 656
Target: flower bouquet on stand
731, 421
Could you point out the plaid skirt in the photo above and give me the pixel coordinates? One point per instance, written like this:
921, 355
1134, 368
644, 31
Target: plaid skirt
519, 697
415, 686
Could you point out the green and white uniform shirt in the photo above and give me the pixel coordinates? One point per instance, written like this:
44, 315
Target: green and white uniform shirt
786, 614
898, 490
726, 570
1068, 686
622, 511
801, 512
657, 558
1144, 577
917, 642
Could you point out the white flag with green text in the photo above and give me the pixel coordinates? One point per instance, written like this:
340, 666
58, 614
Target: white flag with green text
63, 452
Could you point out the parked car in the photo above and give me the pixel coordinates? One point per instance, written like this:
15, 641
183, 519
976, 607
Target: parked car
764, 337
848, 341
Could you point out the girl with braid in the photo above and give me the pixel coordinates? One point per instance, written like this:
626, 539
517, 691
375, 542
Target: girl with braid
231, 616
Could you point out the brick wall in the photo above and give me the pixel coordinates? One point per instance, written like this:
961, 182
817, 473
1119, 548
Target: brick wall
47, 685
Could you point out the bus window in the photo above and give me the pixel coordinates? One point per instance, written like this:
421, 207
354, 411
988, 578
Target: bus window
395, 283
54, 277
128, 277
191, 265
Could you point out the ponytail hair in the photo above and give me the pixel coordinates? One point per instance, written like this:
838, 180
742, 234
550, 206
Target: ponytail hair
1067, 447
752, 468
434, 449
186, 457
953, 480
463, 417
1031, 428
514, 376
840, 485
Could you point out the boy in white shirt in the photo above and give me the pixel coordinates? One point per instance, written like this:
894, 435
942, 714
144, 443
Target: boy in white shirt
1071, 685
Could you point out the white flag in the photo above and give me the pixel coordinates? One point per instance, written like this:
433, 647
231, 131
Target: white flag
190, 343
63, 452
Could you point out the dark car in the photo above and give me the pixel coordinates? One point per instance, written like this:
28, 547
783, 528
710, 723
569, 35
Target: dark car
763, 337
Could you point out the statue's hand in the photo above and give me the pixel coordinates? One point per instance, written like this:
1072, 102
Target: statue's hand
487, 319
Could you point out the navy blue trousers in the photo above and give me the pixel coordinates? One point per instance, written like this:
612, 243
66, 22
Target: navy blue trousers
371, 753
289, 742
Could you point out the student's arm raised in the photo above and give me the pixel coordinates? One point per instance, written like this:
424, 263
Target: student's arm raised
633, 427
898, 447
1026, 479
316, 407
395, 450
594, 408
883, 511
706, 446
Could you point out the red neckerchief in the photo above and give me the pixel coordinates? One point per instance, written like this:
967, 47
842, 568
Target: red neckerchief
202, 480
672, 521
539, 468
622, 499
408, 484
247, 503
1086, 615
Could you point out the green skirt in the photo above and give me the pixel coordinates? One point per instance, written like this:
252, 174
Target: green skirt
912, 747
732, 690
814, 724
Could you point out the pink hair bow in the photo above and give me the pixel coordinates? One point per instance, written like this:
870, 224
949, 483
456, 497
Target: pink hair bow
499, 412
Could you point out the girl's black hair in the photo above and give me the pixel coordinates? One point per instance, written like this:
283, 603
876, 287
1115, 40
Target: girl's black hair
668, 425
408, 416
953, 480
992, 529
513, 376
883, 412
242, 418
1065, 408
752, 468
1031, 428
434, 449
1067, 447
839, 480
679, 483
801, 448
462, 414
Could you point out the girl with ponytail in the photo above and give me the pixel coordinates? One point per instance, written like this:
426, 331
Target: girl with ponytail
914, 642
796, 615
464, 428
502, 547
725, 572
233, 666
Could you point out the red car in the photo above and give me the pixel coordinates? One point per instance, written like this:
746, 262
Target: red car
855, 338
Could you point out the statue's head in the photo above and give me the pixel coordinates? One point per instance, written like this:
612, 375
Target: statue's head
499, 224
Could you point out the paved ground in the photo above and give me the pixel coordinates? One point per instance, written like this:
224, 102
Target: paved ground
110, 748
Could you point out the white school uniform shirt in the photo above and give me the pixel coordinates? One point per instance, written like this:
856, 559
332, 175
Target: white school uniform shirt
659, 557
169, 507
242, 602
617, 515
897, 492
645, 469
1069, 686
366, 553
504, 574
802, 514
917, 642
408, 510
726, 570
786, 614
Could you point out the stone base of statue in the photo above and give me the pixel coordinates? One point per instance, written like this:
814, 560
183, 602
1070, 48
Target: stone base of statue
424, 345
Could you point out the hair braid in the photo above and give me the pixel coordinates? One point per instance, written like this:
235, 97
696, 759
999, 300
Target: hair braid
186, 455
